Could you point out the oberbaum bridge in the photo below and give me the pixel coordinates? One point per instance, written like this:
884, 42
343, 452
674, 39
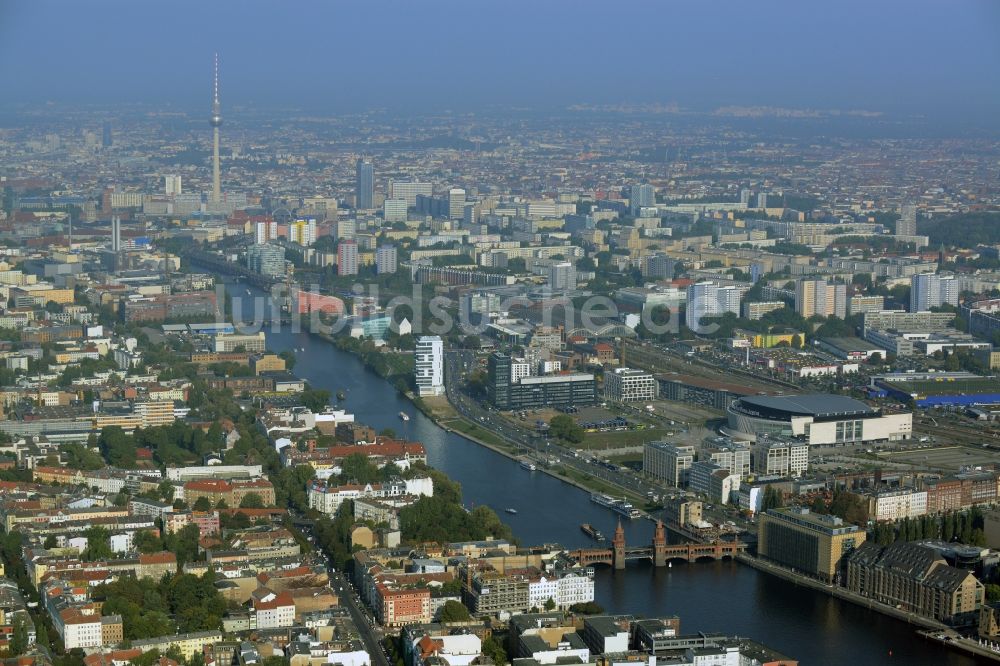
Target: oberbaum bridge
660, 553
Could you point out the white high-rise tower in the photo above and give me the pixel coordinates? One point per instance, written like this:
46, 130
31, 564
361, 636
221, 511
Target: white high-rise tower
216, 122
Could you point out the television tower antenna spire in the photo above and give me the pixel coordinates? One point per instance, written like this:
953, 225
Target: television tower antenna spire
216, 122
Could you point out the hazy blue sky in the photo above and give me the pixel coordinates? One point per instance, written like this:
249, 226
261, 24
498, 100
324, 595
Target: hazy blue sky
913, 56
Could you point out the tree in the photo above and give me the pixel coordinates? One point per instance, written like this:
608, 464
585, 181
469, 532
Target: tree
289, 358
252, 501
315, 399
202, 504
50, 542
550, 604
493, 649
587, 608
454, 611
562, 426
147, 541
98, 545
772, 498
19, 639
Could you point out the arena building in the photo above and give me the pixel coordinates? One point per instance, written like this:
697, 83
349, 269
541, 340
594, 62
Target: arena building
819, 419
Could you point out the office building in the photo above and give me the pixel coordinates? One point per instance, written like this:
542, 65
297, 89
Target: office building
817, 298
385, 259
906, 225
172, 185
915, 578
106, 136
630, 385
931, 290
429, 365
778, 457
266, 259
714, 481
707, 299
812, 544
530, 392
456, 203
394, 210
408, 191
347, 257
734, 456
364, 188
667, 462
641, 196
562, 276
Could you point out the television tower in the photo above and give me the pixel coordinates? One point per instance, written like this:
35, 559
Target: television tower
216, 122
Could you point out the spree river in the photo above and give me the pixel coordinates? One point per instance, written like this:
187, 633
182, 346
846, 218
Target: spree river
724, 597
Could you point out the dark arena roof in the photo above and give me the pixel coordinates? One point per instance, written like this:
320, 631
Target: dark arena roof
818, 405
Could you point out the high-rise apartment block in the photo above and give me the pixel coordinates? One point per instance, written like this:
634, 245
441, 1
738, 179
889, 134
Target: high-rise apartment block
429, 364
818, 298
906, 225
930, 290
302, 232
347, 257
364, 190
641, 196
172, 185
707, 299
562, 276
385, 259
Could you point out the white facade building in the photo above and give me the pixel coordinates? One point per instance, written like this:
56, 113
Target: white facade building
429, 363
630, 385
707, 299
782, 458
897, 504
930, 290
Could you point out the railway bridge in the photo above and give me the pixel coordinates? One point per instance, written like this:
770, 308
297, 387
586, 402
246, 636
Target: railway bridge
659, 552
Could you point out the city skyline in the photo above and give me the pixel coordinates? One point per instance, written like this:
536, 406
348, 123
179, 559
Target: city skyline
941, 62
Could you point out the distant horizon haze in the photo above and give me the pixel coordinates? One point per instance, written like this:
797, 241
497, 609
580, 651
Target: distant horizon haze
921, 58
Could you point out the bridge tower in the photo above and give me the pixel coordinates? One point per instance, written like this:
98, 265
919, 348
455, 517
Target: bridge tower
660, 545
618, 547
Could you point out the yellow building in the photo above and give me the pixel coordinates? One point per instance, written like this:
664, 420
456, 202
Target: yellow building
769, 340
812, 544
187, 644
267, 363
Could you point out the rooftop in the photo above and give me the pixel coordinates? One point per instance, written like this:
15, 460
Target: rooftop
818, 404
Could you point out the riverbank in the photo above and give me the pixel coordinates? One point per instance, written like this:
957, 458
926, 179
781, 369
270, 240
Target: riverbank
840, 593
930, 629
444, 415
955, 641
